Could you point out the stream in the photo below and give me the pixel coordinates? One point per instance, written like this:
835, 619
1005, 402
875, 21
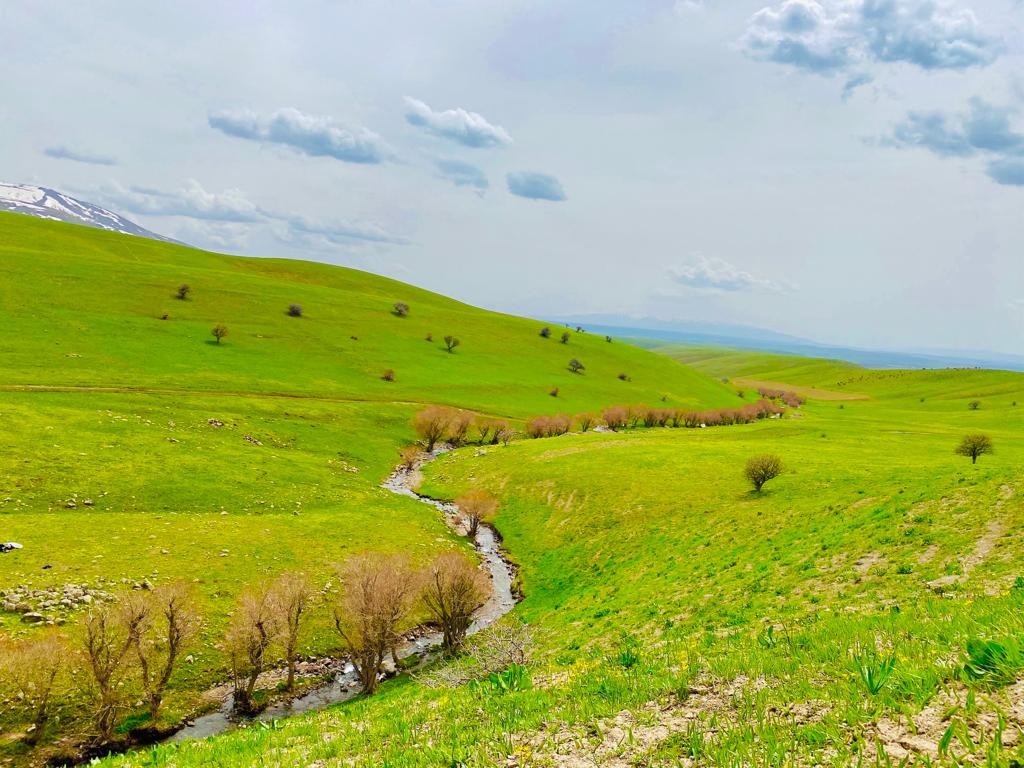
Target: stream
345, 684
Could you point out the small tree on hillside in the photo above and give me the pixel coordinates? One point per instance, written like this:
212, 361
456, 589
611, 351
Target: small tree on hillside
476, 507
183, 291
219, 331
169, 620
565, 337
545, 332
32, 672
576, 366
294, 310
290, 598
974, 405
761, 469
107, 637
250, 636
431, 424
452, 590
376, 597
450, 343
974, 446
401, 308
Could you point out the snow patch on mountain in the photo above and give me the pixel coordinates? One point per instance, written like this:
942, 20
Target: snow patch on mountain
48, 203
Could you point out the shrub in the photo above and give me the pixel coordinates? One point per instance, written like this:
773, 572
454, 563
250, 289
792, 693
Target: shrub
388, 375
586, 421
548, 426
615, 417
219, 331
450, 343
545, 332
974, 405
410, 454
294, 310
290, 598
458, 427
401, 309
376, 599
975, 446
431, 424
183, 291
608, 339
452, 589
107, 634
476, 507
565, 337
429, 337
554, 392
576, 366
32, 672
253, 630
624, 377
760, 469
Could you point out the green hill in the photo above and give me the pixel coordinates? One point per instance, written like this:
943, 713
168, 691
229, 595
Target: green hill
134, 448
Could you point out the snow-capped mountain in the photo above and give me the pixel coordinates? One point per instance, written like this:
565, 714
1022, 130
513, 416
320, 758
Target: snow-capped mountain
51, 204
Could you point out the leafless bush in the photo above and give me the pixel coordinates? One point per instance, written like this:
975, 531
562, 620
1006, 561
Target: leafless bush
458, 427
32, 671
410, 454
377, 592
253, 630
476, 507
431, 424
291, 598
616, 417
491, 650
452, 589
168, 622
585, 421
107, 637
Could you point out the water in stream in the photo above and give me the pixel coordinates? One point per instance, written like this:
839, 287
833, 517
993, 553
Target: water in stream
345, 684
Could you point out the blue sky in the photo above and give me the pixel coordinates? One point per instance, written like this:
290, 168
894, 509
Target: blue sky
848, 171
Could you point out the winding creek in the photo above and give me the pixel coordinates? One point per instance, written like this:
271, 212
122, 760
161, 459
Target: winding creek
345, 685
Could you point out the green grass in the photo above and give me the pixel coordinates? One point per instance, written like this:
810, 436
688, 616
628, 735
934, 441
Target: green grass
103, 401
681, 616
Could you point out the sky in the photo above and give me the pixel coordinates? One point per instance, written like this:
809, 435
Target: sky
848, 171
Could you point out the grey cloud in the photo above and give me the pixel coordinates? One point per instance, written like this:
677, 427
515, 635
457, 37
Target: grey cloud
469, 129
312, 135
535, 186
984, 129
299, 229
463, 174
715, 274
830, 36
65, 153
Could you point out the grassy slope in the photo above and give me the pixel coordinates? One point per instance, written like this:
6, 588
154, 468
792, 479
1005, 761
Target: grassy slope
101, 400
876, 540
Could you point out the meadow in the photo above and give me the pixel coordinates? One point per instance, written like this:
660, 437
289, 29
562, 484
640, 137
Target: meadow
136, 449
864, 609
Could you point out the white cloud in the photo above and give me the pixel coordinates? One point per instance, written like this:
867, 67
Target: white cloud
469, 129
192, 201
705, 273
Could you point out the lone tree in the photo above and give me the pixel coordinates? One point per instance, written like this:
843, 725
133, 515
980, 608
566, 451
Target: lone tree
450, 343
31, 671
377, 594
291, 598
252, 632
294, 310
183, 291
576, 366
476, 507
565, 337
452, 590
401, 308
761, 469
168, 621
545, 332
219, 331
974, 446
974, 405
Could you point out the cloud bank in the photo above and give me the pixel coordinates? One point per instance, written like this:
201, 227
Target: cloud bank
715, 274
984, 130
469, 129
311, 135
535, 186
827, 37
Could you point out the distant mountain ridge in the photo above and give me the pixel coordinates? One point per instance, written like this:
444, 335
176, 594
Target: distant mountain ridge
743, 337
46, 203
